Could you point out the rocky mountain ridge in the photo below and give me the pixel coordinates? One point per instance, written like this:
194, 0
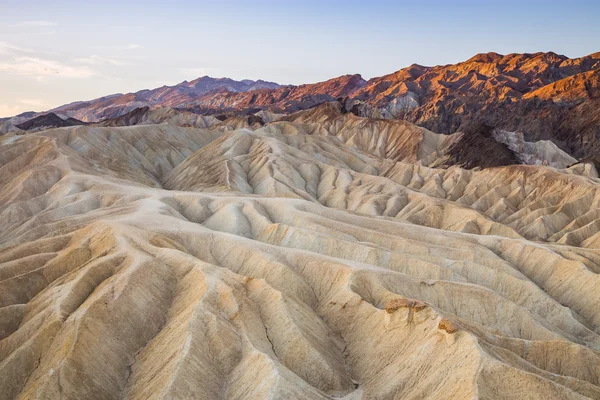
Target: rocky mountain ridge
543, 96
118, 104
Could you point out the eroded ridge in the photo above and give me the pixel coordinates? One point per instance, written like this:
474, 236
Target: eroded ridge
161, 263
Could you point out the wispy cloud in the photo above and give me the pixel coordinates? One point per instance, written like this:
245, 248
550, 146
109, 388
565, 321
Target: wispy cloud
8, 110
7, 48
33, 102
98, 60
45, 33
40, 68
129, 46
195, 72
36, 23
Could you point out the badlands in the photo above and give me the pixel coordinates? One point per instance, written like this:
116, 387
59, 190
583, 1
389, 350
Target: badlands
323, 255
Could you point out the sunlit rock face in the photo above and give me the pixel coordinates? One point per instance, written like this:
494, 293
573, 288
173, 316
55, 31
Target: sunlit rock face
543, 96
322, 256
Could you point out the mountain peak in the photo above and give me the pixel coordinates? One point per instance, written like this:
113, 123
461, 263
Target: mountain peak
489, 57
207, 84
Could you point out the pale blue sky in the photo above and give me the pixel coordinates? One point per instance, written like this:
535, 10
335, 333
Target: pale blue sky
54, 52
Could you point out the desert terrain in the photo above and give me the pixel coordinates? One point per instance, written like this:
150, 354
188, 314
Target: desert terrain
320, 255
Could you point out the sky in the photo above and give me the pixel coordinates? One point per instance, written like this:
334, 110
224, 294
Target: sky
57, 52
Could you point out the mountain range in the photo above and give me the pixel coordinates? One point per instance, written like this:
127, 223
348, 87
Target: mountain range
429, 234
545, 96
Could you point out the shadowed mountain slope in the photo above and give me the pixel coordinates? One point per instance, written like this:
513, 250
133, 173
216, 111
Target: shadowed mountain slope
47, 121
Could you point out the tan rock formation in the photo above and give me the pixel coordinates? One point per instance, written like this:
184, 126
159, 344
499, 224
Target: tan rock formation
293, 261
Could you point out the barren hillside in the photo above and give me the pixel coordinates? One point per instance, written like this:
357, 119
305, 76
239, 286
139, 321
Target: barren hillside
322, 256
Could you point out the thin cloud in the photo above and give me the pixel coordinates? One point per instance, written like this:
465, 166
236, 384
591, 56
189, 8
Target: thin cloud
210, 71
98, 60
33, 102
39, 68
195, 72
36, 23
8, 110
45, 33
129, 46
7, 48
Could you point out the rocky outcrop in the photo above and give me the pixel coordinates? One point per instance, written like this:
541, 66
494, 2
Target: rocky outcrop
477, 147
396, 304
447, 326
